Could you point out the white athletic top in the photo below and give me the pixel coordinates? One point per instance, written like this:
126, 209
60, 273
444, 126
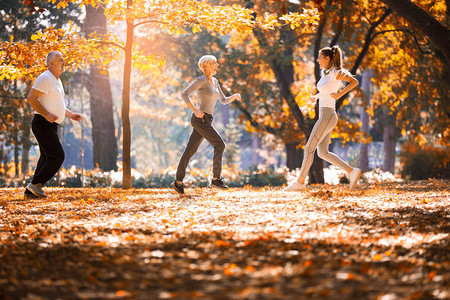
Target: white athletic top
328, 84
53, 97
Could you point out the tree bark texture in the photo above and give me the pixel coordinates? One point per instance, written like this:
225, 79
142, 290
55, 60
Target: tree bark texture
255, 147
126, 146
364, 149
26, 142
427, 24
389, 142
316, 172
101, 102
293, 156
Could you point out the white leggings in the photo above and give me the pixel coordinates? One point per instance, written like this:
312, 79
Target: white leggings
320, 139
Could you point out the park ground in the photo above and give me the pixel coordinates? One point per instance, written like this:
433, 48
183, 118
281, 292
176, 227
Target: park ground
380, 241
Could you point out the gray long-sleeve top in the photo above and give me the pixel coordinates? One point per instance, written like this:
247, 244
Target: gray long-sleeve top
207, 94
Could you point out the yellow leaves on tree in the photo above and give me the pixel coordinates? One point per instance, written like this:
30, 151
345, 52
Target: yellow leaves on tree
27, 59
350, 132
63, 3
309, 19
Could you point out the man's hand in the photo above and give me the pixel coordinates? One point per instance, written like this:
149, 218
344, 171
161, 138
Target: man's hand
76, 117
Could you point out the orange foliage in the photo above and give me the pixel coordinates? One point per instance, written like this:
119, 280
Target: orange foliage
25, 60
235, 244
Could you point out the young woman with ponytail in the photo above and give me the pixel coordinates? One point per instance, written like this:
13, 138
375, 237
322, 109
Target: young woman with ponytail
330, 61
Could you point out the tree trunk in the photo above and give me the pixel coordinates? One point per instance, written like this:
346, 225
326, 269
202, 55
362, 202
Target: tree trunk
293, 156
16, 158
316, 171
126, 148
26, 142
225, 115
364, 149
426, 23
389, 142
102, 118
4, 154
2, 167
255, 147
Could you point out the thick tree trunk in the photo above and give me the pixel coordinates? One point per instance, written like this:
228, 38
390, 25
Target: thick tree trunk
364, 149
2, 154
316, 171
225, 115
16, 158
293, 156
426, 23
126, 146
26, 144
255, 147
389, 142
102, 118
25, 161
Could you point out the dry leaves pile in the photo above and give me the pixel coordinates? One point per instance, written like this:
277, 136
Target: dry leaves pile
384, 241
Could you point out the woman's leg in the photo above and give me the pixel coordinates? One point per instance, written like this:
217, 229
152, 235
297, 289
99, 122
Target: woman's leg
194, 142
323, 153
209, 133
327, 121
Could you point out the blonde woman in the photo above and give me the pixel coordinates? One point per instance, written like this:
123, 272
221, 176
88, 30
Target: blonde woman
208, 91
330, 61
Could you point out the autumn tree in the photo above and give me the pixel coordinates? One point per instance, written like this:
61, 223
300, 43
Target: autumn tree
273, 67
434, 27
413, 102
101, 101
20, 20
171, 16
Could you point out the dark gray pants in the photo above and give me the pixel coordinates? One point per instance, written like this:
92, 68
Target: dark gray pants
203, 129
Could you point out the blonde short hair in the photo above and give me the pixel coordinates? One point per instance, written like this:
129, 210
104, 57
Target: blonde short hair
205, 60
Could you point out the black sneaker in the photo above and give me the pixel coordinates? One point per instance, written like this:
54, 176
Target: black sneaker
36, 189
29, 195
177, 187
218, 183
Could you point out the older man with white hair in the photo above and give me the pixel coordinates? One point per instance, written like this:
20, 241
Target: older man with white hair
47, 99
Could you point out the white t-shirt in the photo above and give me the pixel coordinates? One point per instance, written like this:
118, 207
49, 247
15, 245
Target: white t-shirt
53, 97
327, 85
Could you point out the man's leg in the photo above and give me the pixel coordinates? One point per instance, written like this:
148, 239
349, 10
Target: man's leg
52, 152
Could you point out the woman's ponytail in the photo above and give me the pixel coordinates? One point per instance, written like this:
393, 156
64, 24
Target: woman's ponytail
335, 55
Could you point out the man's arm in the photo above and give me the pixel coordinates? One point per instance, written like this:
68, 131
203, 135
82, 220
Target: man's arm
73, 116
33, 99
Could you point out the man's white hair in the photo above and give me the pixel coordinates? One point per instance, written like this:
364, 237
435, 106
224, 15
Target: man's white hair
205, 60
51, 56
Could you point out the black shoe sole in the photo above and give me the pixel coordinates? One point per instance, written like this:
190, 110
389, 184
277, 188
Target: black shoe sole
219, 187
37, 196
30, 196
172, 185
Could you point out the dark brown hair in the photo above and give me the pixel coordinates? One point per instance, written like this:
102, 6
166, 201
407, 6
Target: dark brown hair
335, 55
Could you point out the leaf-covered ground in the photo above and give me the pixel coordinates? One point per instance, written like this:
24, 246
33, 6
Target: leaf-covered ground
380, 241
